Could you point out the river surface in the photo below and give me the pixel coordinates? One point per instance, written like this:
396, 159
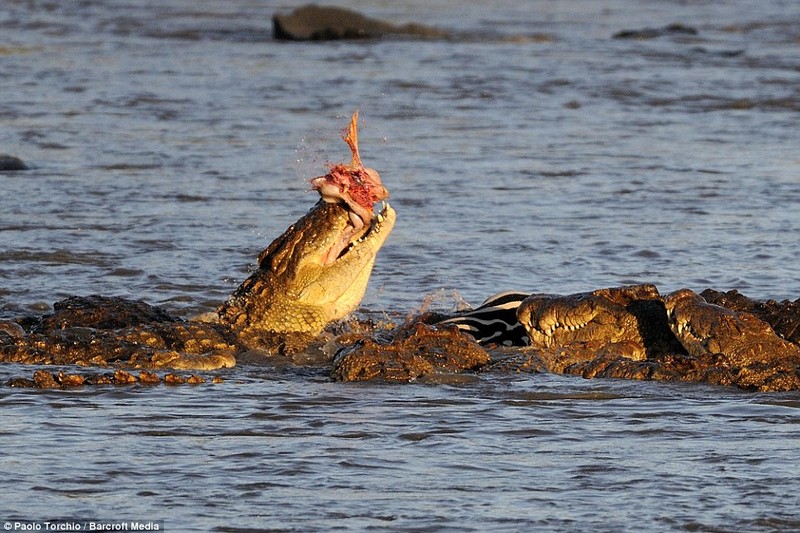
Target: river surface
170, 141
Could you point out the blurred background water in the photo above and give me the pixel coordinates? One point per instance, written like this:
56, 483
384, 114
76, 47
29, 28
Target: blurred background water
171, 141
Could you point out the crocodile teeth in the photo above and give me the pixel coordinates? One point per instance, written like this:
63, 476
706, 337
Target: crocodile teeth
381, 215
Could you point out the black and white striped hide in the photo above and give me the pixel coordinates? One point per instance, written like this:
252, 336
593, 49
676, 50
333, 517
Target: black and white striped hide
494, 321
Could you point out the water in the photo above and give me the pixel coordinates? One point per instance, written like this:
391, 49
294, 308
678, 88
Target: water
172, 141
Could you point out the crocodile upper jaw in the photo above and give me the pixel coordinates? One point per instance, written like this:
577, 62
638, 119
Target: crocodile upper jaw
357, 231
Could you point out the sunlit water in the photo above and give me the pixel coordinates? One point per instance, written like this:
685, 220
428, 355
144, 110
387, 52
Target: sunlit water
171, 141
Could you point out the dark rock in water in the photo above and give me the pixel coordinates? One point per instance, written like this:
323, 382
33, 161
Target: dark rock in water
323, 23
652, 33
9, 163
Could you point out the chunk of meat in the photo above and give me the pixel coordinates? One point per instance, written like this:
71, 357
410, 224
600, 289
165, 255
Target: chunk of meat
354, 184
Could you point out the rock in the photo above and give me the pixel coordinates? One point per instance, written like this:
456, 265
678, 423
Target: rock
325, 23
10, 163
652, 33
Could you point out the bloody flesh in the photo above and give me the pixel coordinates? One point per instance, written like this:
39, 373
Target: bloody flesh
356, 185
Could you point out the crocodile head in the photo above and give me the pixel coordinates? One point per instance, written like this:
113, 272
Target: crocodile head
708, 329
318, 270
605, 317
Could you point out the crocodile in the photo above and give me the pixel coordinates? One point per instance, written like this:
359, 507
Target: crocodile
738, 340
629, 319
315, 273
633, 332
413, 351
784, 317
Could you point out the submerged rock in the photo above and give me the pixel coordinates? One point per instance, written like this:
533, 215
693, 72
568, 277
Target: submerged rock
325, 23
653, 33
10, 163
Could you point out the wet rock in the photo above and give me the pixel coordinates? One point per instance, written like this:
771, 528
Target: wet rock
415, 352
325, 23
653, 33
9, 163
